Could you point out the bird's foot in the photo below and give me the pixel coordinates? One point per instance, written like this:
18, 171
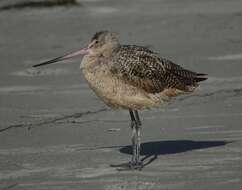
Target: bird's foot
129, 166
136, 165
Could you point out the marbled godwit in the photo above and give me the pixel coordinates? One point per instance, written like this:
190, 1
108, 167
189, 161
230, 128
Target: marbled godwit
131, 77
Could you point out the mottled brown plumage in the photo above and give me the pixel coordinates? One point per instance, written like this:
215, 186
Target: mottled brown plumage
131, 77
145, 69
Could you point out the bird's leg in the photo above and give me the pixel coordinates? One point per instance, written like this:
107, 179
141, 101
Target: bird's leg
133, 127
137, 117
138, 134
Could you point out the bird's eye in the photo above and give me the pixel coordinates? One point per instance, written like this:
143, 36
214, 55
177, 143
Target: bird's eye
96, 41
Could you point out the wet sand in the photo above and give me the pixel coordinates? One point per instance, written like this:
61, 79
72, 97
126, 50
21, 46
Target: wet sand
56, 134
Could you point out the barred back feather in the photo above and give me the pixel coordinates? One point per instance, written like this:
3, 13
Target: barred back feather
143, 68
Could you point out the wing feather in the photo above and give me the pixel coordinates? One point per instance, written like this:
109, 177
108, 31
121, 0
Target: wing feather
143, 68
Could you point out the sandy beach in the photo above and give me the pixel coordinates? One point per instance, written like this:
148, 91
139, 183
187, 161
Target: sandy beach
56, 134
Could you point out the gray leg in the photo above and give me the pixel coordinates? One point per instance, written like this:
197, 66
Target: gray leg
137, 117
133, 127
138, 131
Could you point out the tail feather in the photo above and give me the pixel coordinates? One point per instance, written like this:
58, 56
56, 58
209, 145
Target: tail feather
181, 78
188, 83
199, 79
201, 74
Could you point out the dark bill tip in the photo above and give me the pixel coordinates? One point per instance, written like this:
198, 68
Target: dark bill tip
48, 62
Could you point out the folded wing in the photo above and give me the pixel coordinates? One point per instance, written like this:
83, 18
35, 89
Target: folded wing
144, 69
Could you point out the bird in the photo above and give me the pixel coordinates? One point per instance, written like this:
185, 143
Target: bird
131, 77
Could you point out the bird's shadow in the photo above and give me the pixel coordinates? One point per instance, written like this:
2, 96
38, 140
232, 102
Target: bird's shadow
151, 150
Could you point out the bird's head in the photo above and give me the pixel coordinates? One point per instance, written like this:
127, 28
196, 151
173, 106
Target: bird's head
102, 44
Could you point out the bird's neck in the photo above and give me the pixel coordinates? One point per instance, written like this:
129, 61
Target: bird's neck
92, 62
108, 50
